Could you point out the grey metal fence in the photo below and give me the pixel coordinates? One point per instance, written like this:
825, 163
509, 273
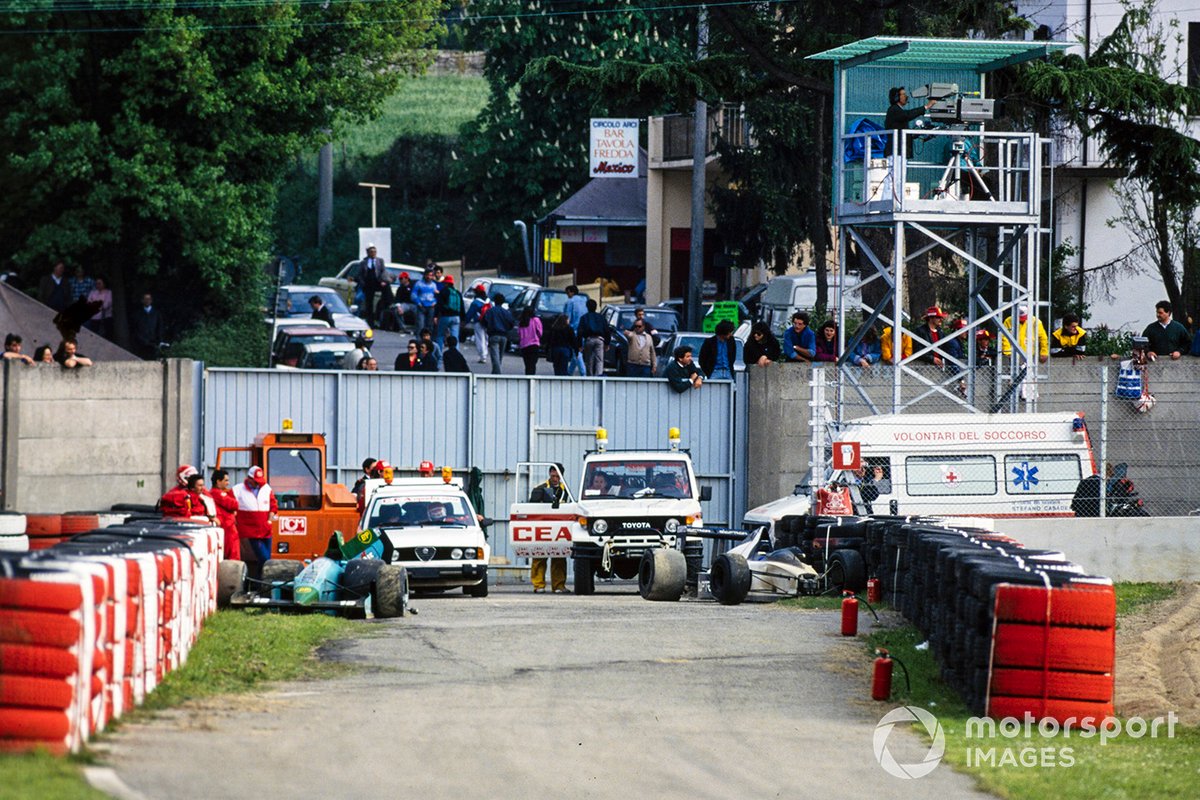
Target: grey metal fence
484, 421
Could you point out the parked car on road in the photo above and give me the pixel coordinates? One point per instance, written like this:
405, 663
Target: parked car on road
322, 355
346, 287
664, 321
509, 287
547, 304
290, 341
292, 302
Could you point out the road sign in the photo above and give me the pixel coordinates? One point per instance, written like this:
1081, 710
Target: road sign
847, 455
552, 251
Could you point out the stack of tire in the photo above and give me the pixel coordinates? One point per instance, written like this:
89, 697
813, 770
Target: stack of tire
1013, 629
89, 626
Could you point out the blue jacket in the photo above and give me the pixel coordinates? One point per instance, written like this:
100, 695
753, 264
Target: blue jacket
805, 339
576, 308
424, 293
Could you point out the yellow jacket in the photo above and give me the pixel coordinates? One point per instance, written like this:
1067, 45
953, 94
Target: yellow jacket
1043, 341
885, 345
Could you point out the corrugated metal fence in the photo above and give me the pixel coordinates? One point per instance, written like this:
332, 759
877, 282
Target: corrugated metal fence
485, 421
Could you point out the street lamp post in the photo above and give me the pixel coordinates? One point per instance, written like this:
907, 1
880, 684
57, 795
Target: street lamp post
373, 187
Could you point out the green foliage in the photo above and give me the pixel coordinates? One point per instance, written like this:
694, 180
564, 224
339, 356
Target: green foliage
145, 141
1102, 341
1064, 284
38, 776
239, 341
1133, 596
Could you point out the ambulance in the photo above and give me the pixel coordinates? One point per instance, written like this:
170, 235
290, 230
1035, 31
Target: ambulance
982, 465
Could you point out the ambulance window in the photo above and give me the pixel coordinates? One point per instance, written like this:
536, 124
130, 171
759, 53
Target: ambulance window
950, 476
1041, 473
295, 477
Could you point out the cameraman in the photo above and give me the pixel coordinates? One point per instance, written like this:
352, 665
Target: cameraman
897, 118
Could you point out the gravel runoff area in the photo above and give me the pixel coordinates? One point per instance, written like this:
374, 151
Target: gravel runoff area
521, 695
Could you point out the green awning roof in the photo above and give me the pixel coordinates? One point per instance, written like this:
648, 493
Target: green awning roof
981, 55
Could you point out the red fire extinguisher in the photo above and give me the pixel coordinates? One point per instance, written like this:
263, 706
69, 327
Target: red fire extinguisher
849, 614
874, 593
881, 680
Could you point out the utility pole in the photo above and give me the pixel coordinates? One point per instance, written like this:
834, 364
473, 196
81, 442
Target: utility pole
324, 190
373, 187
694, 296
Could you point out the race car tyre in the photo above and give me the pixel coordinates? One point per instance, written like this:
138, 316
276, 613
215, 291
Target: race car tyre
662, 575
729, 579
480, 589
231, 577
390, 596
281, 570
847, 571
358, 577
585, 578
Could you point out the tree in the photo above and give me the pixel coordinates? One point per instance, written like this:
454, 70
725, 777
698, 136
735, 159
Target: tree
145, 141
1118, 95
527, 151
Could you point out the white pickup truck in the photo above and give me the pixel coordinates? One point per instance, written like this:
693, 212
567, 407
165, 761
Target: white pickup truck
627, 503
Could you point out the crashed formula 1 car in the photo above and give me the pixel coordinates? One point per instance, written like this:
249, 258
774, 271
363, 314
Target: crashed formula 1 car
353, 578
749, 570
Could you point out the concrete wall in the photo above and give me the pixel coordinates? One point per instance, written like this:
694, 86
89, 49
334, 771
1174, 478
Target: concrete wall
1155, 549
76, 440
1162, 448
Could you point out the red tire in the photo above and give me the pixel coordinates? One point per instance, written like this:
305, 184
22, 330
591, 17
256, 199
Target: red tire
79, 523
40, 595
33, 692
18, 722
32, 746
1089, 686
43, 530
1082, 606
1068, 649
45, 662
1073, 712
39, 627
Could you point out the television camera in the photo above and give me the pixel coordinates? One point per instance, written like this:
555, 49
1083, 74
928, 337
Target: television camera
953, 107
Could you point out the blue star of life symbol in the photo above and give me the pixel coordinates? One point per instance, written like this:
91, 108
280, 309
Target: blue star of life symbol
1024, 476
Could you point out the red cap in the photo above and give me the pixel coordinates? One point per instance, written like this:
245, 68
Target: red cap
184, 472
257, 475
425, 468
982, 334
480, 288
448, 279
403, 274
934, 311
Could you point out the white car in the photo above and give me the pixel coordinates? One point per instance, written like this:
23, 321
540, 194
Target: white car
292, 302
435, 531
345, 286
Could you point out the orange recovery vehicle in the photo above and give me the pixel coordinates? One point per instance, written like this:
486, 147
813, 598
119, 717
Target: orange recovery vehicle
310, 507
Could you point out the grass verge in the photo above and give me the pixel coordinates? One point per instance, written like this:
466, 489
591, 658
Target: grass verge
237, 651
1066, 767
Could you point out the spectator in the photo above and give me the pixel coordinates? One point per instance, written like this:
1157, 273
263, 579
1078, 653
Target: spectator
639, 315
498, 323
372, 279
397, 315
320, 311
799, 342
43, 355
409, 360
886, 342
424, 297
561, 344
931, 331
1069, 341
593, 332
427, 359
640, 355
868, 350
552, 491
435, 349
53, 289
80, 284
681, 372
1167, 336
368, 465
956, 344
101, 323
449, 310
827, 344
257, 509
985, 351
719, 352
1043, 342
69, 357
530, 339
762, 347
12, 350
575, 309
226, 505
368, 364
202, 501
452, 359
147, 329
355, 357
475, 314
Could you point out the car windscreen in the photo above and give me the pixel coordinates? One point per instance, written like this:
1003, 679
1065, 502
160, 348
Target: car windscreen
661, 320
619, 478
325, 359
295, 477
509, 290
295, 303
403, 512
552, 302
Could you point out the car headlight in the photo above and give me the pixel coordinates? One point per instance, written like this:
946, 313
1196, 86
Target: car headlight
600, 526
470, 553
456, 553
672, 525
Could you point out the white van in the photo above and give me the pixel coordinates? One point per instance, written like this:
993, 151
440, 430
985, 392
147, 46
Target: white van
787, 294
983, 465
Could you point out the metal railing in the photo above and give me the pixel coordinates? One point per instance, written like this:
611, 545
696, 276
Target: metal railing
726, 122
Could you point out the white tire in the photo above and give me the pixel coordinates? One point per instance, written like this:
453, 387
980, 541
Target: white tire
11, 523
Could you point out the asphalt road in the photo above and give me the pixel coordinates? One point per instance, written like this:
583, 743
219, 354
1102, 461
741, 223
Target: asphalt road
522, 695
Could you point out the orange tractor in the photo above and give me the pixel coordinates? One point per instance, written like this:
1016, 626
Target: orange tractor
310, 507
